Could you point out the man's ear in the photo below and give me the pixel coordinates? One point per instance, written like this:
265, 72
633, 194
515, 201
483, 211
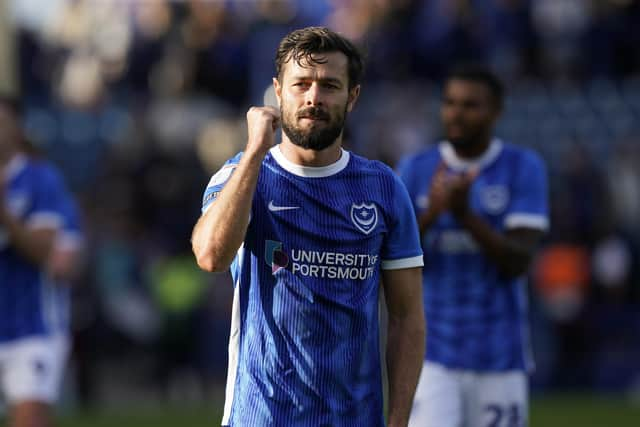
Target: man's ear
277, 89
354, 93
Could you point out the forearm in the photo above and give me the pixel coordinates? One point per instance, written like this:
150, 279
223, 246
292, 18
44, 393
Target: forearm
405, 354
221, 230
65, 263
511, 257
34, 245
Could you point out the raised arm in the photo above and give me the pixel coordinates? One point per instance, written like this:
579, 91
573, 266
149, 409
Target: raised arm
221, 229
406, 339
513, 249
438, 199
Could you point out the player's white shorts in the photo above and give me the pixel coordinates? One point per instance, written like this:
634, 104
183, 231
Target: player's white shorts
460, 398
31, 368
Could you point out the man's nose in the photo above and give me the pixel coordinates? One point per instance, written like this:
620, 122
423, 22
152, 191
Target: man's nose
454, 112
314, 95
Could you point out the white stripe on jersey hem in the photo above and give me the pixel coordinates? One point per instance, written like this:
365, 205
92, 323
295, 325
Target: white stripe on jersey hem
397, 264
234, 346
44, 220
524, 220
455, 162
310, 171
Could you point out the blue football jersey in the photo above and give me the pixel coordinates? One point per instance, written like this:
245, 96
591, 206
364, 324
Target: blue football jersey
30, 304
304, 347
477, 318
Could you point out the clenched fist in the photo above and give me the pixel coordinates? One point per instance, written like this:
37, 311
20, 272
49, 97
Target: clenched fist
262, 123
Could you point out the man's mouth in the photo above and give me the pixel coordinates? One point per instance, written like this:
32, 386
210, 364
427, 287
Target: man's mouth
312, 118
313, 114
456, 128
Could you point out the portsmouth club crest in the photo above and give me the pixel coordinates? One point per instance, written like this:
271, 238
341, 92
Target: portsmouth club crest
364, 216
495, 198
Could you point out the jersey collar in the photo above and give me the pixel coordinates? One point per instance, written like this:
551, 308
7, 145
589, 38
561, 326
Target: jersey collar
310, 171
455, 162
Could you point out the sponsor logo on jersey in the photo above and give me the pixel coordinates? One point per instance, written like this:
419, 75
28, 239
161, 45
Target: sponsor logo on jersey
274, 208
452, 242
320, 264
494, 198
364, 217
274, 256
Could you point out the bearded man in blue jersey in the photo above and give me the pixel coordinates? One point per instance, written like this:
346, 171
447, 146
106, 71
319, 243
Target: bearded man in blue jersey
39, 244
309, 230
482, 208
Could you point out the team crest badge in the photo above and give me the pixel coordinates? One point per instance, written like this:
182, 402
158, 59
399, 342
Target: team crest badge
495, 198
364, 217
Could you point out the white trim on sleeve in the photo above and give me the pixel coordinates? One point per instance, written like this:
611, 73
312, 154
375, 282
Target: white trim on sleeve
204, 211
397, 264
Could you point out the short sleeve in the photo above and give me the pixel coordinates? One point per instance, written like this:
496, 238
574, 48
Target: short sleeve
402, 247
49, 198
403, 169
415, 172
218, 181
529, 205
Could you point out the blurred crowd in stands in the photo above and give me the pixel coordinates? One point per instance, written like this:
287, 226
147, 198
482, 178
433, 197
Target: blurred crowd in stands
139, 102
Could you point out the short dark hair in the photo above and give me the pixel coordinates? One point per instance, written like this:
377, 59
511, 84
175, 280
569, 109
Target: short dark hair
480, 74
304, 43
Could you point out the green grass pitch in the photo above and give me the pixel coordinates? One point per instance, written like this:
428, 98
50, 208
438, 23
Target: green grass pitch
546, 411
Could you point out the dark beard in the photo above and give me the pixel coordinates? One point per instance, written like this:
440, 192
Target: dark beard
471, 139
314, 139
461, 143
